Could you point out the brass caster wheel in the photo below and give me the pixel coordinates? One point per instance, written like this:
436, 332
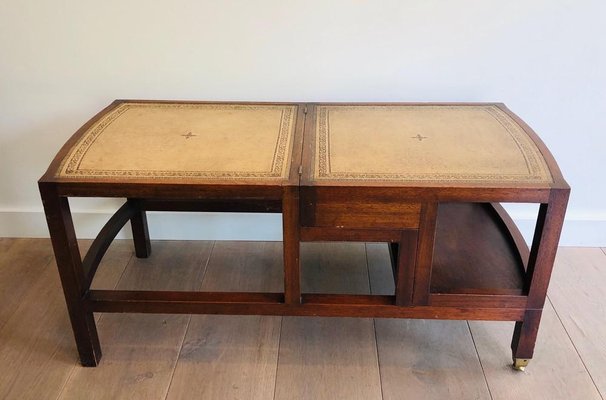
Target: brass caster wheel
520, 364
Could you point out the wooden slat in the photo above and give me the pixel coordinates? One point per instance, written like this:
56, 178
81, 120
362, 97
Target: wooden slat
315, 234
555, 372
102, 300
347, 299
382, 191
110, 188
329, 358
140, 351
37, 349
477, 300
422, 359
230, 357
577, 292
251, 205
380, 307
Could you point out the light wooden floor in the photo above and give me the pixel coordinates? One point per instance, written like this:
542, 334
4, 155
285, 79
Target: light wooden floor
250, 357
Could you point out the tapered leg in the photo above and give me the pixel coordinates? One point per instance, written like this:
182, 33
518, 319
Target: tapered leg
540, 264
524, 339
406, 256
138, 223
69, 263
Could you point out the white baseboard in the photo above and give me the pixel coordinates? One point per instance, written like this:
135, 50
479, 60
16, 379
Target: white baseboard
243, 226
162, 225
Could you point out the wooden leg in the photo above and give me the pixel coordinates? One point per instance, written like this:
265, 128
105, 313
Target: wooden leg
138, 223
394, 247
544, 247
524, 339
290, 229
538, 273
69, 263
407, 255
424, 261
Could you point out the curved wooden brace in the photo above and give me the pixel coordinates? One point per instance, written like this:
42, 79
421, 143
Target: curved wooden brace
514, 233
97, 250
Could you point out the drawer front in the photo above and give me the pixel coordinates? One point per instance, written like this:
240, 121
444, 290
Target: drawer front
362, 215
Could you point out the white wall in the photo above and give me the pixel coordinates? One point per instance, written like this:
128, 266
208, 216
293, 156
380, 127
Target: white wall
61, 61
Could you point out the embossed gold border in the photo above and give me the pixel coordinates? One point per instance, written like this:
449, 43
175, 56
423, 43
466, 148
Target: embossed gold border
70, 166
537, 168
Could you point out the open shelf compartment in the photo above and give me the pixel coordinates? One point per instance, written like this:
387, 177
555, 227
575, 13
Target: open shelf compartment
478, 251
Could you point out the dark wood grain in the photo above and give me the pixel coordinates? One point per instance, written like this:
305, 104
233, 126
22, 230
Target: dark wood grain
474, 252
67, 255
544, 246
425, 246
538, 272
334, 305
138, 222
320, 234
356, 213
406, 258
290, 228
525, 335
102, 242
206, 205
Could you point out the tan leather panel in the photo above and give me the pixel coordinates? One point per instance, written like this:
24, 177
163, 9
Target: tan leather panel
166, 140
467, 143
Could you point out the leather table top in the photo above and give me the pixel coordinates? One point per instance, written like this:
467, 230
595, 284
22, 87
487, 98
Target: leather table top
185, 141
477, 144
403, 144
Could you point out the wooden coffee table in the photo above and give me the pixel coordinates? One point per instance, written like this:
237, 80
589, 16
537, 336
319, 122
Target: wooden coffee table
425, 178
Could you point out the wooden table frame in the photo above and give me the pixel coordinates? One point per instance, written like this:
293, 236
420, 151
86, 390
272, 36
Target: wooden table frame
411, 249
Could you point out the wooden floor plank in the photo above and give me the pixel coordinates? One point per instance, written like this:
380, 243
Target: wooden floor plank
421, 359
246, 267
140, 351
329, 358
233, 357
556, 371
318, 357
22, 263
5, 243
334, 268
379, 269
424, 359
578, 292
37, 349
